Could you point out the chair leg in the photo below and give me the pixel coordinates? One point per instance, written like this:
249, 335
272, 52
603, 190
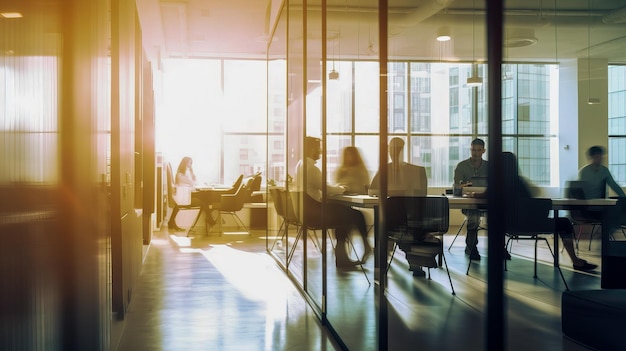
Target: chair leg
457, 233
282, 229
360, 263
295, 244
193, 226
535, 268
558, 267
448, 271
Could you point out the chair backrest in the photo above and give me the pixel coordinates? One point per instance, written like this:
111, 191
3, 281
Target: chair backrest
171, 188
233, 202
427, 214
531, 217
290, 213
279, 206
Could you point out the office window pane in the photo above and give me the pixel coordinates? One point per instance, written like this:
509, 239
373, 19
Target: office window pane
245, 99
617, 122
366, 97
338, 100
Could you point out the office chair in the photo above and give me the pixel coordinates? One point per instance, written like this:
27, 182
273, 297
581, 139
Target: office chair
171, 198
482, 214
308, 225
421, 215
285, 210
231, 204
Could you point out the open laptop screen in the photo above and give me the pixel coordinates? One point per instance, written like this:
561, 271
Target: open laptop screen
576, 189
479, 181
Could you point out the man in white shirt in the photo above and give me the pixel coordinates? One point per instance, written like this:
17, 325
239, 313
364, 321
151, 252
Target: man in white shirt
341, 218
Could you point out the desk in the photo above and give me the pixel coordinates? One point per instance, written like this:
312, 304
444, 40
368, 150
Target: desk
613, 249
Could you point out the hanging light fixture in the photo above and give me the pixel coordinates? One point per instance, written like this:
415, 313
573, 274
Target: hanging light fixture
443, 33
333, 74
474, 80
590, 100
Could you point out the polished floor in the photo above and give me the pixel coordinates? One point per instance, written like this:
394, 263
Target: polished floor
210, 292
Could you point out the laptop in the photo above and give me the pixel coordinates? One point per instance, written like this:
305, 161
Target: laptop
575, 189
479, 181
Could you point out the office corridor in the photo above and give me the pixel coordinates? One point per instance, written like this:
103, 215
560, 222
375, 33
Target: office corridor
226, 295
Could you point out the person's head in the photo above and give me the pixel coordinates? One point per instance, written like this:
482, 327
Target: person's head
396, 147
184, 164
351, 156
595, 154
313, 148
477, 149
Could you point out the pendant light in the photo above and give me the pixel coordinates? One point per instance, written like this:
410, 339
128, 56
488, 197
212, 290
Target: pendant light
590, 100
474, 81
443, 33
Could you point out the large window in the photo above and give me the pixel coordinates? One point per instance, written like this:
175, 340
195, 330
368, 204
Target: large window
617, 123
438, 114
220, 109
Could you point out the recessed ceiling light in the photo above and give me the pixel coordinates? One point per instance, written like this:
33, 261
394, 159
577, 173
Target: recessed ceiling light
11, 14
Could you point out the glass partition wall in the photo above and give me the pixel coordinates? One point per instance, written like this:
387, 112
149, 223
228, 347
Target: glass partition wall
324, 81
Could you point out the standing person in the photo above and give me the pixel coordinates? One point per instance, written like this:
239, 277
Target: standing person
352, 172
465, 170
404, 179
341, 218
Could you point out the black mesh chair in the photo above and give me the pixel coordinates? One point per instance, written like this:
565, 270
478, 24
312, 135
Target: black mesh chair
416, 225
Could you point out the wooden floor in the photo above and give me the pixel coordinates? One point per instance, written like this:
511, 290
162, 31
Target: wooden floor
227, 293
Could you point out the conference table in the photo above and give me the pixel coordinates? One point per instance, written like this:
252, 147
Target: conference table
609, 248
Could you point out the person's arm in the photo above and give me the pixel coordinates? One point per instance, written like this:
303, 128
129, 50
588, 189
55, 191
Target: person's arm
613, 185
185, 178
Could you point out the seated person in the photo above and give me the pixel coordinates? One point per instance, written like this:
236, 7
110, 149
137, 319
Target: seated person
517, 191
597, 177
465, 170
184, 177
340, 217
404, 179
352, 172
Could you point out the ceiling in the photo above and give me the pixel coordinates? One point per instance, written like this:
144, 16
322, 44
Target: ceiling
557, 29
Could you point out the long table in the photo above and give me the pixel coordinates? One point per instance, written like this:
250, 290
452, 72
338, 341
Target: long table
559, 204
